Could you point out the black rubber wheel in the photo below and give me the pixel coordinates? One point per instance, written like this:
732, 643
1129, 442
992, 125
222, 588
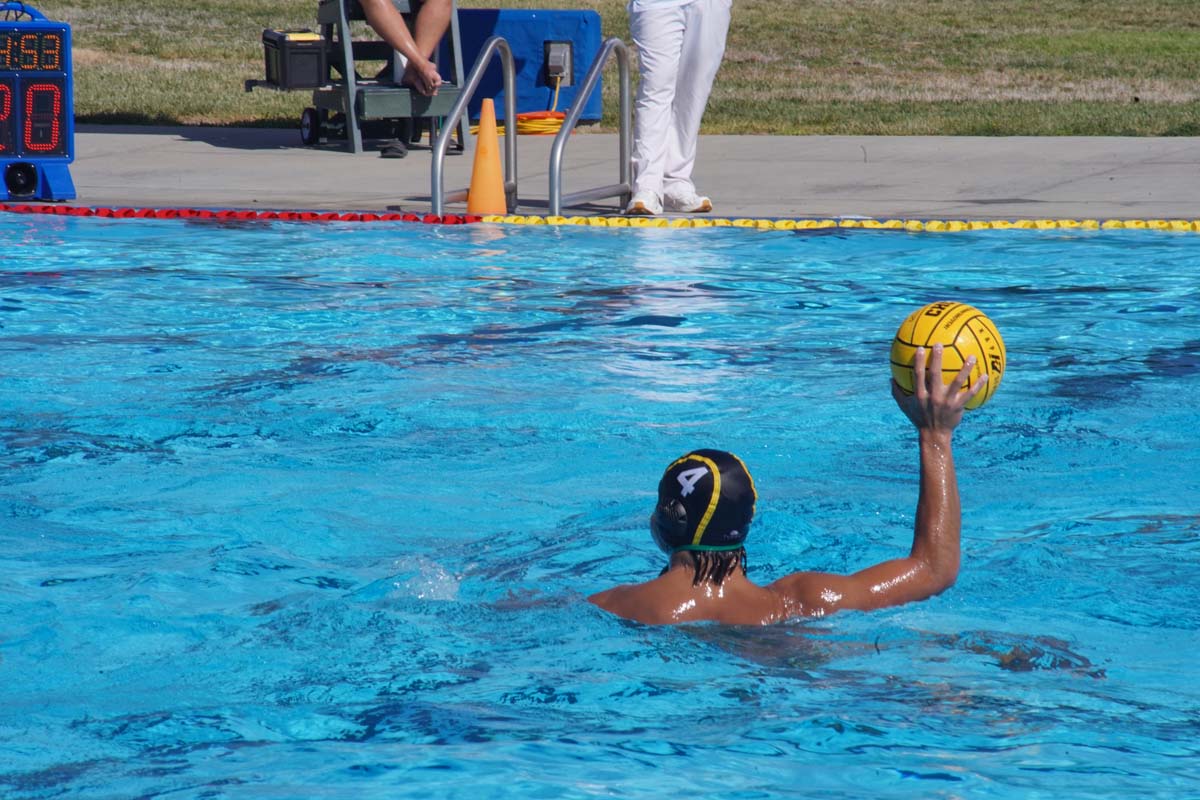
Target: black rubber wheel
310, 127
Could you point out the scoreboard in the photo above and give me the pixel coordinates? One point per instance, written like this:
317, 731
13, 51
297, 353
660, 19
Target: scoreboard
37, 119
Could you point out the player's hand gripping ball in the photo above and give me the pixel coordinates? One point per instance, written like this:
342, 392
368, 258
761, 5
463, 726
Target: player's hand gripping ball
962, 331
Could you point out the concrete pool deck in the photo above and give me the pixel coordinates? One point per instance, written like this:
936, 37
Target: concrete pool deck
747, 176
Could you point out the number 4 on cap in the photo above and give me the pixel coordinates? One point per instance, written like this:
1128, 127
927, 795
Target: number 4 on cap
689, 478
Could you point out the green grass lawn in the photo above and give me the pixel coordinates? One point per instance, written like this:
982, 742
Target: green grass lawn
970, 67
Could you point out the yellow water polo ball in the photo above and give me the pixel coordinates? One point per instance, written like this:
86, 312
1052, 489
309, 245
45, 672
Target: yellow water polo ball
963, 331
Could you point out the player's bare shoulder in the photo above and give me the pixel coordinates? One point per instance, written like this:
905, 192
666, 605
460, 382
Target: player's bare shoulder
635, 601
807, 594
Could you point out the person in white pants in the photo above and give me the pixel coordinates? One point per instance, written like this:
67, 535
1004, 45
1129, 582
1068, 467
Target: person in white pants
680, 45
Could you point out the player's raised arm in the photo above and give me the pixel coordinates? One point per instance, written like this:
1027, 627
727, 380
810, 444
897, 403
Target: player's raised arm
932, 565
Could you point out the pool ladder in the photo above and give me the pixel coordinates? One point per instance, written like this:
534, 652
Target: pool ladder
496, 45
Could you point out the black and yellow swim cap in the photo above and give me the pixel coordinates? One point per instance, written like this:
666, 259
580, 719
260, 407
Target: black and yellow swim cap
705, 502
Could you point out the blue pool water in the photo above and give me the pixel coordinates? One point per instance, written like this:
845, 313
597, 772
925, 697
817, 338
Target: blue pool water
309, 511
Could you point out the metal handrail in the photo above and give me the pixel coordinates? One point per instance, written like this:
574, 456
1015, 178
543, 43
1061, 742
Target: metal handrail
623, 189
437, 194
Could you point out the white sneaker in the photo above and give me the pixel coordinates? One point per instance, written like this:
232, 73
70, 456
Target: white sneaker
689, 203
645, 204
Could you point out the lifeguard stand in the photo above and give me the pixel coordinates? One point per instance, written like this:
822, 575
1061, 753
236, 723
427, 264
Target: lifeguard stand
347, 103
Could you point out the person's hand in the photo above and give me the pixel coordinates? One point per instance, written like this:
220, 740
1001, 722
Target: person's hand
933, 405
423, 76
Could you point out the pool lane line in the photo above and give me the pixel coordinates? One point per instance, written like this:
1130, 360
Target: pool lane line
932, 225
914, 225
236, 215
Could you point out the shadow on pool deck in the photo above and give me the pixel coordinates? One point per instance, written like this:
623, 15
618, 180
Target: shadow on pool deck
747, 176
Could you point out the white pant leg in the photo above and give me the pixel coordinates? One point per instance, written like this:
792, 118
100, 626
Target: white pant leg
706, 25
658, 33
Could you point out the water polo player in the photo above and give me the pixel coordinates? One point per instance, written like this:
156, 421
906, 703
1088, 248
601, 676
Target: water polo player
705, 506
706, 502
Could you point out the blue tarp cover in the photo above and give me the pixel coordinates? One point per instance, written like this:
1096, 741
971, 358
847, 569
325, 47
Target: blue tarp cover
527, 31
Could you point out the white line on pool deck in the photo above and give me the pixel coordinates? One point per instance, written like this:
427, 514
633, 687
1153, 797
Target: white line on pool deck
747, 176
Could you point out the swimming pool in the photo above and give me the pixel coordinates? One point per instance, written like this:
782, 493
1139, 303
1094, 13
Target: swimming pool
309, 511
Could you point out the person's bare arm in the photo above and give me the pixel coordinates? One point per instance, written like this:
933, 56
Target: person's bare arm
386, 21
932, 565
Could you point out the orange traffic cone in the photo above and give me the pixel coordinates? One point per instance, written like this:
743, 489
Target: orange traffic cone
486, 195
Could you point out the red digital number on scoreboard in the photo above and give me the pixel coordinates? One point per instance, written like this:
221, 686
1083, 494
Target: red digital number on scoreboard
43, 107
6, 113
42, 128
